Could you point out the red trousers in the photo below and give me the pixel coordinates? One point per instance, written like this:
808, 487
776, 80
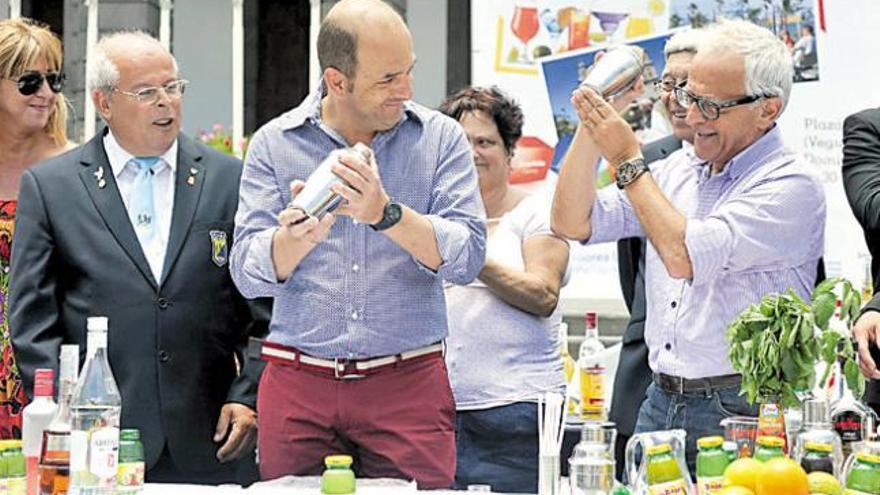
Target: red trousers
397, 422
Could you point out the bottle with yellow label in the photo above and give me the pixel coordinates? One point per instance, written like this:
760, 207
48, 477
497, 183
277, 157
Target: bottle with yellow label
664, 474
592, 371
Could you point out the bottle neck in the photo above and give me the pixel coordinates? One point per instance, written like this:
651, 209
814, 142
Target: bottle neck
591, 333
97, 341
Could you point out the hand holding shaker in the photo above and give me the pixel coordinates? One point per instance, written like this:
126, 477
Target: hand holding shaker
316, 198
616, 72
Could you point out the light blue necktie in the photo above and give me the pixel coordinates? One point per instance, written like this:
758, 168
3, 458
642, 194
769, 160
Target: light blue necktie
140, 210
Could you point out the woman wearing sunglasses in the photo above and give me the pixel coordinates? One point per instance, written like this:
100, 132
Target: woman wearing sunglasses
34, 116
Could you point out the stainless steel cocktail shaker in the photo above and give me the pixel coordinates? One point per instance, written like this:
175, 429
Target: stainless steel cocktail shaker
617, 71
316, 198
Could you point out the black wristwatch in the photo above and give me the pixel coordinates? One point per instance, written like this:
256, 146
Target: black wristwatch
390, 216
630, 170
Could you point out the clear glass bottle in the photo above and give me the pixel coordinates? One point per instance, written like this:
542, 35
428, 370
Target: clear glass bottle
95, 410
592, 371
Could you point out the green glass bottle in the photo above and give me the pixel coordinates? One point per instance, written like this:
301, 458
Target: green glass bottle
338, 478
130, 472
864, 476
711, 463
768, 448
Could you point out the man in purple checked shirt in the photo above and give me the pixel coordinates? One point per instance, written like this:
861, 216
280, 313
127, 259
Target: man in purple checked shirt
734, 218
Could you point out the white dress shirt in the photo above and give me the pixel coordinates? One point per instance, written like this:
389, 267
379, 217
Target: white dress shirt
124, 170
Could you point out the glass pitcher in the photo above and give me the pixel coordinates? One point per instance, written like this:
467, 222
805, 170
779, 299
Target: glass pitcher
861, 472
637, 448
591, 465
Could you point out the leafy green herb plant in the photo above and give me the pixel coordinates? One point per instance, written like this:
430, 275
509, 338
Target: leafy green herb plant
776, 344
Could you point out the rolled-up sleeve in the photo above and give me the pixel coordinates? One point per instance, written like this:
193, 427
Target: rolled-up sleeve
612, 217
259, 203
456, 211
778, 222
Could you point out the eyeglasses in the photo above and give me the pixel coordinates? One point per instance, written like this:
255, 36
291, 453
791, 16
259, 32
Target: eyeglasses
711, 109
174, 89
31, 82
668, 85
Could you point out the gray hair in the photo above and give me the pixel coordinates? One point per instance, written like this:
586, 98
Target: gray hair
686, 41
104, 74
768, 64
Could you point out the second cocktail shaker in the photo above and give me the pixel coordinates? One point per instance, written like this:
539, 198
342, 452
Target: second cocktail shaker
316, 198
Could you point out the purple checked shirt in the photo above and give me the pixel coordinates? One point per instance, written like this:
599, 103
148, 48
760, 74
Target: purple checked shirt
753, 229
357, 294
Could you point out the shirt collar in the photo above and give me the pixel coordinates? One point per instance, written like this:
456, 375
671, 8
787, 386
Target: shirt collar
119, 157
310, 110
754, 154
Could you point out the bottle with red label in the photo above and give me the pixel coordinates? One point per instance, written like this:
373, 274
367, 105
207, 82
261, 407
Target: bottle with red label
592, 371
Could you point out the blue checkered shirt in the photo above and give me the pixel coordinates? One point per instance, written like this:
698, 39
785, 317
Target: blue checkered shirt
358, 294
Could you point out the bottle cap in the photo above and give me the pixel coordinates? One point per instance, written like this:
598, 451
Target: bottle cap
44, 379
338, 461
710, 442
68, 369
767, 441
591, 319
819, 447
96, 323
659, 449
869, 458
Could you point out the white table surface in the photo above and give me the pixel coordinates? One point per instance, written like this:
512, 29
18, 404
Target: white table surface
301, 486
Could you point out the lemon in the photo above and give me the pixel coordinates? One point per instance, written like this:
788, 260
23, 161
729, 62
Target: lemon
742, 472
824, 483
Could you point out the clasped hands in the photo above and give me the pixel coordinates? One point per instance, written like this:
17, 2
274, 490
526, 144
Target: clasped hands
364, 199
603, 124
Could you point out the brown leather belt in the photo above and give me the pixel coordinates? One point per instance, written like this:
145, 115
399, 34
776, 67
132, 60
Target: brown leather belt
339, 368
679, 385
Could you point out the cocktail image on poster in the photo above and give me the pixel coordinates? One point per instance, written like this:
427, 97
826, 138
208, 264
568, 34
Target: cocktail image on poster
563, 73
527, 31
793, 21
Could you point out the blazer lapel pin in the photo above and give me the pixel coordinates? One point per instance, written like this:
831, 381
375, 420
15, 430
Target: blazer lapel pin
191, 180
99, 177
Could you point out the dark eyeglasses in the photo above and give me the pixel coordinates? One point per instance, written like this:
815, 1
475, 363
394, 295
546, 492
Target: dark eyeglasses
711, 109
31, 82
668, 85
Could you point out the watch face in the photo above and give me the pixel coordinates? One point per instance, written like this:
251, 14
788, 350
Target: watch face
629, 171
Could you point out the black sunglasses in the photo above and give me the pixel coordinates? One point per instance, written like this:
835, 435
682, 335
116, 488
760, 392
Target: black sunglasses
31, 82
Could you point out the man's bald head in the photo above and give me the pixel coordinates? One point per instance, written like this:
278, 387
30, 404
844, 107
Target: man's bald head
350, 23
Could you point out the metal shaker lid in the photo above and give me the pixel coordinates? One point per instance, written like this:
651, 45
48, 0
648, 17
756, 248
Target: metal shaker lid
816, 411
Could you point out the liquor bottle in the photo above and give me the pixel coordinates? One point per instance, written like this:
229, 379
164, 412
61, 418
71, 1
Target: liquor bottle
568, 365
592, 371
853, 420
35, 418
54, 471
95, 410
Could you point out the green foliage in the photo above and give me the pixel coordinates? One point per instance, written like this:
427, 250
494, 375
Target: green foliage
776, 344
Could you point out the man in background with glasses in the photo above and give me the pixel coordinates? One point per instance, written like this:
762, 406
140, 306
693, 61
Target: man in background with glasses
136, 225
735, 218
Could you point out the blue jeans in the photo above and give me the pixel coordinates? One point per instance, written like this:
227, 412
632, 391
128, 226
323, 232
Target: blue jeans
698, 413
498, 447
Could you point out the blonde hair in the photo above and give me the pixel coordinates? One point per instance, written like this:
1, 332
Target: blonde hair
23, 43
